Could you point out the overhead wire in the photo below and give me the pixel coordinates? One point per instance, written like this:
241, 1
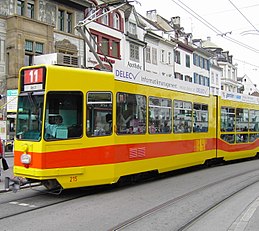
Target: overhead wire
229, 10
213, 28
243, 15
245, 62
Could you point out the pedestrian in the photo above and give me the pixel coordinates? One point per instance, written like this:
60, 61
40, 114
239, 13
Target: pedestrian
4, 162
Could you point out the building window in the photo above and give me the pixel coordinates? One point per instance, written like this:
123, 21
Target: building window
132, 28
169, 57
115, 49
65, 21
196, 78
206, 66
105, 17
61, 22
188, 78
187, 60
177, 57
20, 7
196, 60
116, 21
109, 46
202, 81
30, 9
91, 13
154, 55
178, 76
69, 22
29, 46
31, 49
134, 52
148, 55
105, 46
201, 62
39, 48
206, 81
163, 56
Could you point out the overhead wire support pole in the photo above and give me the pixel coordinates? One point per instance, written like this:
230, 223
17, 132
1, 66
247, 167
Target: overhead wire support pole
80, 30
81, 24
87, 21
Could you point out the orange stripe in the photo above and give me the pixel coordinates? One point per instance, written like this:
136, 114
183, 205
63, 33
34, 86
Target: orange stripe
237, 147
123, 153
110, 154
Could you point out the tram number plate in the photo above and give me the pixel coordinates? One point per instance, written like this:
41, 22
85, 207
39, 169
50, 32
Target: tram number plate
73, 179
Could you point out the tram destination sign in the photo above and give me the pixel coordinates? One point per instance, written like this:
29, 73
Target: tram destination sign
33, 79
137, 76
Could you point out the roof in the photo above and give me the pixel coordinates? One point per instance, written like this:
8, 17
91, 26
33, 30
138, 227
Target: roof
209, 45
255, 94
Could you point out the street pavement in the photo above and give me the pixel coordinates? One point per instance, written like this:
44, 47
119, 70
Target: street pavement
247, 221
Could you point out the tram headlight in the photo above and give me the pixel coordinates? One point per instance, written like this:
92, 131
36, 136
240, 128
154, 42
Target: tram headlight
26, 158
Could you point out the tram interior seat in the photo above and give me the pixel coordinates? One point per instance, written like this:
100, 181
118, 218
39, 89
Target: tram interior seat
75, 131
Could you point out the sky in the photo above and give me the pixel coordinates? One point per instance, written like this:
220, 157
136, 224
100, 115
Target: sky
231, 24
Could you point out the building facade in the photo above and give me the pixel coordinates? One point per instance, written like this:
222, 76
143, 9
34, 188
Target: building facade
114, 35
248, 86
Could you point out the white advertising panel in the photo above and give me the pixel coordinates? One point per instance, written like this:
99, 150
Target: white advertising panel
137, 76
239, 97
12, 100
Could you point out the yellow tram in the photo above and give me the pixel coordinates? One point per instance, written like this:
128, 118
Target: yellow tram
78, 127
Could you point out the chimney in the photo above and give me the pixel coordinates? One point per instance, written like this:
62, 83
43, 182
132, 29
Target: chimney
209, 38
151, 15
176, 21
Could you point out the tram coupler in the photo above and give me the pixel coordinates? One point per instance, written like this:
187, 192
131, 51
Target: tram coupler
15, 183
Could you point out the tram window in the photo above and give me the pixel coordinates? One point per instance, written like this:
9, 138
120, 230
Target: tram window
130, 113
241, 120
241, 138
227, 119
201, 117
253, 137
99, 114
160, 116
229, 138
253, 121
64, 115
182, 116
29, 117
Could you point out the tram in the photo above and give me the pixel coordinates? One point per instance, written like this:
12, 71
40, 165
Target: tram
78, 127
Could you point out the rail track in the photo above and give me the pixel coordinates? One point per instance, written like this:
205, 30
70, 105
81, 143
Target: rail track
146, 216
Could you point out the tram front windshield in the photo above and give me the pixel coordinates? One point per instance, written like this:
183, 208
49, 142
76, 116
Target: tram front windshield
29, 117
